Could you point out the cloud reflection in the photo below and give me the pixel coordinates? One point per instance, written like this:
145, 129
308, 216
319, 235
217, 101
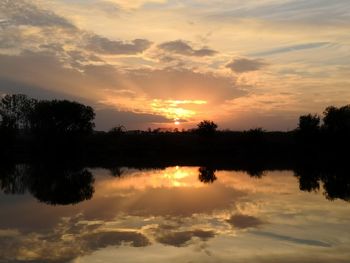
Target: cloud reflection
171, 211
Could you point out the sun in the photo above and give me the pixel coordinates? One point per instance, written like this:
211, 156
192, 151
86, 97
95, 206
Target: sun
177, 122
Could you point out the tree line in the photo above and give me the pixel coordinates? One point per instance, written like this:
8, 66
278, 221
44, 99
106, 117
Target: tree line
332, 127
22, 115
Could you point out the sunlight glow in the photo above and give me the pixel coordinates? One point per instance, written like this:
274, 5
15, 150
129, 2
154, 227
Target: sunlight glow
171, 109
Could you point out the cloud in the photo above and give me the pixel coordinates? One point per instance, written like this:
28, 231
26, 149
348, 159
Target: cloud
311, 12
21, 12
182, 48
95, 241
244, 221
106, 46
51, 245
127, 4
107, 118
52, 31
291, 48
185, 84
179, 201
241, 65
308, 242
182, 238
134, 96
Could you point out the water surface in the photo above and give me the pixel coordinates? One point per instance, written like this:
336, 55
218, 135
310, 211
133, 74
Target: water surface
177, 214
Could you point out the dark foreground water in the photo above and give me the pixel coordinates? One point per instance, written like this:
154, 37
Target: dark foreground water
178, 214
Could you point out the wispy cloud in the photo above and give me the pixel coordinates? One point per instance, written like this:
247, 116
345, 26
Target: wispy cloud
300, 241
288, 11
291, 48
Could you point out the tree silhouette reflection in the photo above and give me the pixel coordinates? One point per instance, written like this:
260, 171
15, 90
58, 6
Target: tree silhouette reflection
335, 180
13, 178
61, 186
116, 171
62, 182
206, 175
51, 184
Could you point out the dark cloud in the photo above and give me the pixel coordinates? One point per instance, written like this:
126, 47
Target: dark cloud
104, 45
182, 238
39, 69
50, 246
99, 240
56, 31
244, 221
279, 121
241, 65
21, 12
182, 48
108, 118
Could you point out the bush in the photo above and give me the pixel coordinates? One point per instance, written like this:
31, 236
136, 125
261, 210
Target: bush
206, 127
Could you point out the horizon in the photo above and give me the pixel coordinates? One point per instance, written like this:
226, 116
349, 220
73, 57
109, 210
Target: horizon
171, 64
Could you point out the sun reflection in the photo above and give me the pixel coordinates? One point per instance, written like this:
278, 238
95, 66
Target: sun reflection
177, 174
169, 177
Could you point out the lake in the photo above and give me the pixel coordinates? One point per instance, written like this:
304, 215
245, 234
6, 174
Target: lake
175, 214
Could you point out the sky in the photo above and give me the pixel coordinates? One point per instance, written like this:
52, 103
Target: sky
171, 64
170, 216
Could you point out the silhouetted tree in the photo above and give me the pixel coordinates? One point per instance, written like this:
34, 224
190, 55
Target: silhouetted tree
62, 118
206, 175
117, 130
15, 111
206, 127
337, 120
308, 132
309, 124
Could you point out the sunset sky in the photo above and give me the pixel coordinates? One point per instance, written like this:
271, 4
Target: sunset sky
151, 63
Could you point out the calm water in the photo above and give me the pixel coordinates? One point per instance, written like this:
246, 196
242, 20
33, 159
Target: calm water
178, 214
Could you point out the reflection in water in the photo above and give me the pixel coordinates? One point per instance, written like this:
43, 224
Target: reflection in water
206, 175
335, 180
176, 214
49, 183
69, 184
